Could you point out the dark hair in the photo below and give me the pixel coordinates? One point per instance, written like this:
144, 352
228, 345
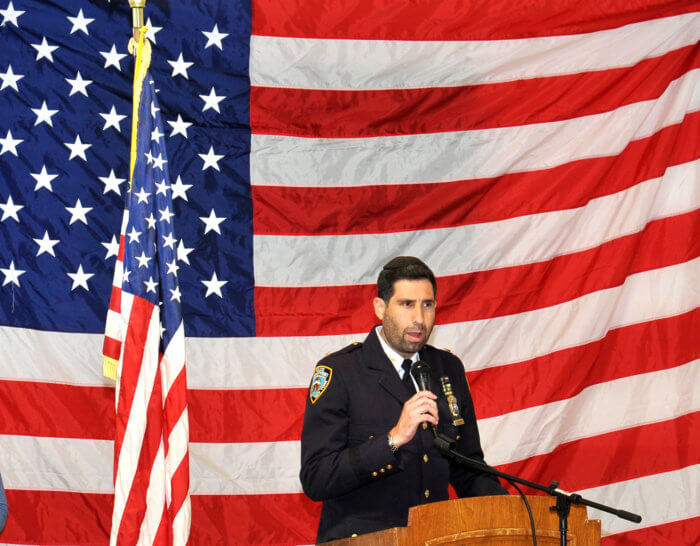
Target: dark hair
400, 268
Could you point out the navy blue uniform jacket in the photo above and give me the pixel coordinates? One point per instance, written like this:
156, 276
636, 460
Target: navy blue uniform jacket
346, 461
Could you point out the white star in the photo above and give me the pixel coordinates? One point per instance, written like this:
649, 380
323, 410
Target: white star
152, 31
211, 100
214, 37
213, 286
112, 247
212, 222
154, 109
149, 157
112, 58
9, 210
165, 215
159, 162
134, 235
43, 179
143, 260
175, 294
162, 187
46, 244
10, 79
80, 278
172, 267
180, 67
150, 285
80, 22
43, 115
78, 212
12, 274
126, 275
77, 148
156, 134
10, 144
179, 126
44, 50
142, 196
10, 15
151, 221
112, 119
183, 252
78, 85
210, 159
169, 240
111, 182
179, 189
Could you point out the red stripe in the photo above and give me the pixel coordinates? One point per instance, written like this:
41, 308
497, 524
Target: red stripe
48, 517
137, 332
685, 531
345, 114
175, 404
616, 456
112, 348
385, 209
115, 300
451, 19
269, 415
284, 311
180, 486
621, 353
122, 246
136, 503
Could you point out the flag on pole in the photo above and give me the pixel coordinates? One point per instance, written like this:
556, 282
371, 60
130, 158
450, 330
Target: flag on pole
145, 338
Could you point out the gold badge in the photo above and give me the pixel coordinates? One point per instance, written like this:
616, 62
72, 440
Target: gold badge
451, 401
319, 382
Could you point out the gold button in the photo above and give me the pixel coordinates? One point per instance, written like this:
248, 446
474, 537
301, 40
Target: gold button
425, 426
371, 436
458, 436
374, 474
425, 458
381, 470
388, 467
353, 535
427, 493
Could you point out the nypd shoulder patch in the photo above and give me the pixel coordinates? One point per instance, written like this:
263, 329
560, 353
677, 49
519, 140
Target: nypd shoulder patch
319, 382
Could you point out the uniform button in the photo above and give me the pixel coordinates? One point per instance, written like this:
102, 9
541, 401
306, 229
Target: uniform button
371, 436
425, 426
458, 436
427, 493
425, 458
353, 535
374, 474
381, 470
388, 467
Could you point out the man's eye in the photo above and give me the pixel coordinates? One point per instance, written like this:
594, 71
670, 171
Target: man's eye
428, 304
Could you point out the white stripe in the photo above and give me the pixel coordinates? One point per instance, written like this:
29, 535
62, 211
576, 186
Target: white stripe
69, 464
121, 323
283, 362
130, 452
606, 407
182, 523
304, 260
659, 498
178, 444
155, 501
173, 360
342, 64
113, 326
280, 160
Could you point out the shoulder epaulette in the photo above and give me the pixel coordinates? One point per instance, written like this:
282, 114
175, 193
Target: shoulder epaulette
347, 349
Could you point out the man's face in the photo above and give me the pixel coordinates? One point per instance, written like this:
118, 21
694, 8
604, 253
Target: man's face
408, 317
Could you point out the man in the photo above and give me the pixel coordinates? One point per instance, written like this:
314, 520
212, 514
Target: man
366, 446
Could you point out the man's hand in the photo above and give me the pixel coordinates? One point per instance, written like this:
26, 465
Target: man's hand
417, 409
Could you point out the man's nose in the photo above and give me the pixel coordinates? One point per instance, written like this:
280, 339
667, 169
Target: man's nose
418, 313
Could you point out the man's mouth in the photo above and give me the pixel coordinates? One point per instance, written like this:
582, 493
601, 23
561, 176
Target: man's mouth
414, 336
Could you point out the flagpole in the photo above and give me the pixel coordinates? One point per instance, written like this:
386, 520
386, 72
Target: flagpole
137, 21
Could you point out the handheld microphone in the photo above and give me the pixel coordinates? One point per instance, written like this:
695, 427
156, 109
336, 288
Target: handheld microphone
421, 372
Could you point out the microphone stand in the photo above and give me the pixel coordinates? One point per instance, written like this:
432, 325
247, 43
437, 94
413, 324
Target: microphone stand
564, 499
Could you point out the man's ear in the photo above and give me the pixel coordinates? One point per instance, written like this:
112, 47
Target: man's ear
379, 307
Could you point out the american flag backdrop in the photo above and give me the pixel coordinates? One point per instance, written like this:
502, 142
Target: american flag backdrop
541, 157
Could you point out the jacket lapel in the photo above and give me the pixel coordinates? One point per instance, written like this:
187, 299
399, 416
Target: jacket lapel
376, 360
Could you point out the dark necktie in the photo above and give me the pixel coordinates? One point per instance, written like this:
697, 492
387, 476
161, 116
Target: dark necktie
406, 365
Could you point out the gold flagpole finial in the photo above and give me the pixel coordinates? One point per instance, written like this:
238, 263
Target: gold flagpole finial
137, 20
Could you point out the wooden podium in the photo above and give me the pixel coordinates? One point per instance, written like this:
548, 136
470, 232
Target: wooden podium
498, 520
